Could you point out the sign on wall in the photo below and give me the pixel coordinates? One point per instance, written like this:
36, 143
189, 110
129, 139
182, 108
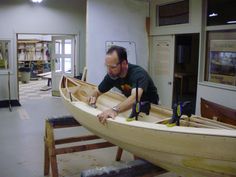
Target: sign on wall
128, 45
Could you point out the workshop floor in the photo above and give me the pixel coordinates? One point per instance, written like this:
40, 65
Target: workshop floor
21, 137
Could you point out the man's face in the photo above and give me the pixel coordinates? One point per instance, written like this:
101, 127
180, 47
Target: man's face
114, 68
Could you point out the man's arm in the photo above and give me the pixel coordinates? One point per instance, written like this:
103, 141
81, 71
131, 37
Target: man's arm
123, 106
128, 103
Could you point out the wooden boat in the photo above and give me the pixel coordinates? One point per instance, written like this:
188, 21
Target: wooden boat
198, 147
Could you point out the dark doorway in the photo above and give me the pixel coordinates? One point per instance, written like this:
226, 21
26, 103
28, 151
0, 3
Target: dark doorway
186, 68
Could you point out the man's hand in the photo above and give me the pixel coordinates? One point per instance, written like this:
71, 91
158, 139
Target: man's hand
92, 100
102, 117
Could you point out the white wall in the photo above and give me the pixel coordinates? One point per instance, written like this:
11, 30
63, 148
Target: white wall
122, 20
50, 17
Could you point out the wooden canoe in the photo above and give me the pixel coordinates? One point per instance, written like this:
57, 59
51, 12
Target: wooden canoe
198, 147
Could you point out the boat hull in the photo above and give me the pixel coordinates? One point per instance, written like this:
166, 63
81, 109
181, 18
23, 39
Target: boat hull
190, 154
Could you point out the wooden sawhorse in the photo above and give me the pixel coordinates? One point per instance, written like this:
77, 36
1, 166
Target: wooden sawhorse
50, 150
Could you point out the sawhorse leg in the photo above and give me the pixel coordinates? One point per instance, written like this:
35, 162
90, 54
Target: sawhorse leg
51, 152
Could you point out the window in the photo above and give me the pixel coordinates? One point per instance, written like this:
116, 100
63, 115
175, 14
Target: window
221, 12
221, 57
171, 14
4, 54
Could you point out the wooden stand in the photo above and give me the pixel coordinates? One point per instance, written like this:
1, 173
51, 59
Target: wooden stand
136, 168
51, 152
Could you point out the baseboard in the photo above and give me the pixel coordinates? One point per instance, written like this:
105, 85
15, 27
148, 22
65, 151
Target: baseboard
5, 103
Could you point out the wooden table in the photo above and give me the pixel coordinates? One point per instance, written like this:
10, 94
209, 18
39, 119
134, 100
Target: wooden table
48, 76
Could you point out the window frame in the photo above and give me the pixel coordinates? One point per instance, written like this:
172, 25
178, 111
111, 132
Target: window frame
157, 13
204, 54
208, 71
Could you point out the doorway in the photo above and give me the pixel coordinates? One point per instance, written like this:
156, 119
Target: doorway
162, 67
33, 59
63, 60
41, 60
186, 68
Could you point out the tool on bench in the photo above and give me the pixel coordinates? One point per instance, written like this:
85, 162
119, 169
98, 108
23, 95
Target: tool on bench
139, 106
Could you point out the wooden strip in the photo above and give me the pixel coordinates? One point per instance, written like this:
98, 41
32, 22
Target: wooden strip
214, 121
222, 113
194, 124
84, 74
209, 123
46, 150
83, 148
119, 153
76, 139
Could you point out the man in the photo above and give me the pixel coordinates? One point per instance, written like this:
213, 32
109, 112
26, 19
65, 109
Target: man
123, 75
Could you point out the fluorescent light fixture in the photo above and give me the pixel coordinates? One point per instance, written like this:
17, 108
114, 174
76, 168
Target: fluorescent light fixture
213, 15
230, 22
36, 1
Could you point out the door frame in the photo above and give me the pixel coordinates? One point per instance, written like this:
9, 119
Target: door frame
76, 52
166, 102
57, 75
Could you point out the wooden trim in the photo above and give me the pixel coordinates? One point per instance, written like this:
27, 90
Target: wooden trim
76, 139
83, 148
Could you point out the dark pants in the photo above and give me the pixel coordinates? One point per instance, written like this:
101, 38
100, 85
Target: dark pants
155, 99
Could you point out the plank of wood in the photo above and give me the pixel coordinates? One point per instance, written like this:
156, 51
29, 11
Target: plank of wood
216, 111
44, 74
212, 123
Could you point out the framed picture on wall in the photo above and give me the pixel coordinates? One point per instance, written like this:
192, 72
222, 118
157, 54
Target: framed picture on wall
222, 61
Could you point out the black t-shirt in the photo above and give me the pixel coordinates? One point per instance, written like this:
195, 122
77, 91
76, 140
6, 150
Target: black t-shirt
125, 85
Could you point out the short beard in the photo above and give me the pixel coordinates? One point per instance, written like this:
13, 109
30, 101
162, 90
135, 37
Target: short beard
113, 77
118, 75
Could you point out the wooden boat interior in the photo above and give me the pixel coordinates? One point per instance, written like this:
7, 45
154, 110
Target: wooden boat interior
79, 91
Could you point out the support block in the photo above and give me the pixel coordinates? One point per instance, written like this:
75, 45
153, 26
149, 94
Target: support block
136, 168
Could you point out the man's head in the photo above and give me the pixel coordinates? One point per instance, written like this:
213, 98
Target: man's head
116, 62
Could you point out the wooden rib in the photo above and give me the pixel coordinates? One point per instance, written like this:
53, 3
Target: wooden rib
65, 150
195, 124
76, 139
206, 122
214, 121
